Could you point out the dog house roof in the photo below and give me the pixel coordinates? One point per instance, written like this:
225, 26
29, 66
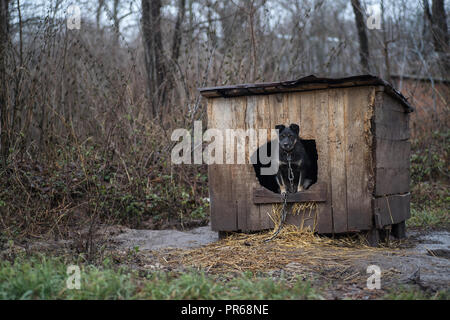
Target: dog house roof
303, 84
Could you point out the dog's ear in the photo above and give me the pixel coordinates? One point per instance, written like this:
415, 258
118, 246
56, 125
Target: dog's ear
294, 127
280, 127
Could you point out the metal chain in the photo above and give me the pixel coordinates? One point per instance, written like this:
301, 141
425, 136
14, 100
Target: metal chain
285, 196
283, 217
291, 176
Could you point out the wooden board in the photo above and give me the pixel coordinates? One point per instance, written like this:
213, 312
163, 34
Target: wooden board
308, 115
390, 119
392, 148
359, 106
238, 179
318, 109
264, 122
304, 84
391, 209
317, 193
392, 166
251, 121
337, 145
223, 206
392, 181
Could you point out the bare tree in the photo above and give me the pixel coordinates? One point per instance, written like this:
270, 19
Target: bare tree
98, 12
362, 35
177, 32
385, 44
4, 30
438, 21
116, 22
154, 56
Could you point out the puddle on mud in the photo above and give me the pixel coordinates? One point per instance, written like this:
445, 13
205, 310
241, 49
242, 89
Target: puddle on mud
436, 244
161, 239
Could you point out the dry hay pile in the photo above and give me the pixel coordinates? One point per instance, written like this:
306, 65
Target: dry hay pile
248, 252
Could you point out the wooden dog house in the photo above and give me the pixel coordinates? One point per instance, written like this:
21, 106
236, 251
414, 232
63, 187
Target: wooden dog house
361, 129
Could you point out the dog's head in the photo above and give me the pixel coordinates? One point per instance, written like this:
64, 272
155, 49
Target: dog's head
287, 136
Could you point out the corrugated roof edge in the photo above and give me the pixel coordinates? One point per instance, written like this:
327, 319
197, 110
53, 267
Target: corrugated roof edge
303, 84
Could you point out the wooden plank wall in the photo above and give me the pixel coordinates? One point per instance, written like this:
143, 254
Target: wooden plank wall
392, 152
359, 109
391, 209
336, 119
223, 209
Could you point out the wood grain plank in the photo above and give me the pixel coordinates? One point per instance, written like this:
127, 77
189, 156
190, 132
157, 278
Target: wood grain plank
320, 113
337, 147
392, 209
359, 108
240, 182
293, 105
317, 193
223, 206
253, 215
308, 115
264, 122
391, 181
391, 120
392, 166
392, 153
307, 131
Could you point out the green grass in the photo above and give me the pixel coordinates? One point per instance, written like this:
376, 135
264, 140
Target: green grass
195, 285
432, 218
40, 277
413, 293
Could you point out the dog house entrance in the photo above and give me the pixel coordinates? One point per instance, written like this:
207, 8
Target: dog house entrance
269, 181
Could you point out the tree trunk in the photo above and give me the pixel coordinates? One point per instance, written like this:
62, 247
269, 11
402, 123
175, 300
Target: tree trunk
154, 57
385, 45
98, 13
362, 35
116, 21
4, 30
177, 32
440, 34
439, 26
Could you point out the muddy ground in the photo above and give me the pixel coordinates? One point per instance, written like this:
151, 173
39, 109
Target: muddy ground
421, 260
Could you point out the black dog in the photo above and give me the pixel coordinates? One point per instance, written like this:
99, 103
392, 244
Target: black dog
292, 151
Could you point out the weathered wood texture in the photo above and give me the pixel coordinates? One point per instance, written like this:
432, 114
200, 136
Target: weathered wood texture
359, 109
304, 84
361, 135
391, 198
317, 193
392, 148
391, 209
223, 208
392, 167
350, 155
231, 186
309, 110
336, 147
391, 120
